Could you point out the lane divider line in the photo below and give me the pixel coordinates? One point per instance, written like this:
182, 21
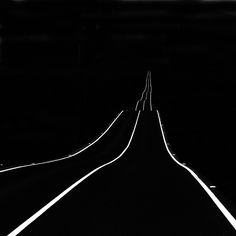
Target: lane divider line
70, 155
61, 195
139, 101
150, 78
146, 93
148, 90
217, 202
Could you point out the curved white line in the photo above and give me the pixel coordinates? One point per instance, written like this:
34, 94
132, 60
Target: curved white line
70, 155
56, 199
221, 207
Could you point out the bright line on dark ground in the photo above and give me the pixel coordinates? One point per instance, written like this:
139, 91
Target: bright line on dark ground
221, 207
66, 157
26, 223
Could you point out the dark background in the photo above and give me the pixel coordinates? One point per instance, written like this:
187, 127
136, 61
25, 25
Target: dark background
68, 68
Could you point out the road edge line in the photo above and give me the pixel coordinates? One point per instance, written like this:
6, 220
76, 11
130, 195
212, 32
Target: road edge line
26, 223
68, 156
217, 202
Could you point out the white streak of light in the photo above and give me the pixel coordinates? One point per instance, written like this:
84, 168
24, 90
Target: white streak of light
221, 207
70, 155
61, 195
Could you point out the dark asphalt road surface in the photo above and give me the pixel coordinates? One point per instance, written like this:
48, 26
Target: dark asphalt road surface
25, 191
143, 193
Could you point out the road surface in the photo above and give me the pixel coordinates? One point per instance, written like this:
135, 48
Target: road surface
126, 183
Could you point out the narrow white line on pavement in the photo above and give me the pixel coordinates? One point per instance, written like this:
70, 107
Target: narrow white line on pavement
136, 105
61, 195
146, 92
141, 96
147, 79
150, 82
221, 207
142, 93
69, 156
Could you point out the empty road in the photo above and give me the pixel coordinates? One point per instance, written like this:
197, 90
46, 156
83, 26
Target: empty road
126, 183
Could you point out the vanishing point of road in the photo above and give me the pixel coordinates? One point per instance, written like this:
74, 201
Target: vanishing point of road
126, 182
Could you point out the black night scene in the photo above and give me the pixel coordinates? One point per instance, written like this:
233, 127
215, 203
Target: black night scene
69, 68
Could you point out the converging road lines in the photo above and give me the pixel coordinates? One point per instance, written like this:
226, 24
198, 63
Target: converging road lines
221, 207
70, 155
61, 195
146, 94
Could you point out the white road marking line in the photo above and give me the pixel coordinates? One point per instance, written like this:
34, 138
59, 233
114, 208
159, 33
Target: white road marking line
150, 91
146, 93
136, 105
142, 94
221, 207
68, 156
56, 199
